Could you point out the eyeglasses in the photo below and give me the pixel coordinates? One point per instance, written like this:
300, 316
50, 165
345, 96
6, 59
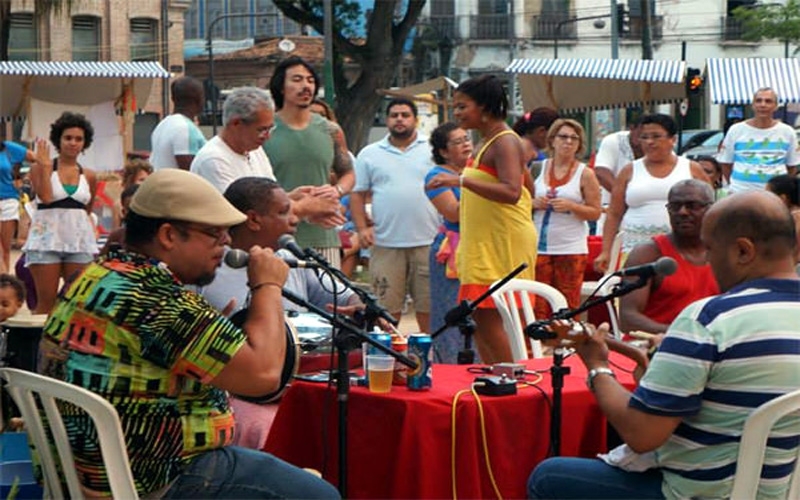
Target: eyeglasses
692, 206
217, 234
652, 137
566, 137
460, 141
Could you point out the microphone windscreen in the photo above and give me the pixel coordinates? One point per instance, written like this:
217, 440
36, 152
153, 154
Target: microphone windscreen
237, 258
666, 266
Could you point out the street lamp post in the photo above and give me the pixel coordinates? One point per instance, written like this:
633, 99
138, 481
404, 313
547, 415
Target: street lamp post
557, 32
210, 50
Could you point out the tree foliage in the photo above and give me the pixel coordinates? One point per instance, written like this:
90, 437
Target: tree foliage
377, 52
770, 21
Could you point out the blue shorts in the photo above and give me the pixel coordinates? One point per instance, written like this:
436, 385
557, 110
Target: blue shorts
35, 257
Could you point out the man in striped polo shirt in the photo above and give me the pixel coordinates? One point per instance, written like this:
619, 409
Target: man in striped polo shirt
722, 357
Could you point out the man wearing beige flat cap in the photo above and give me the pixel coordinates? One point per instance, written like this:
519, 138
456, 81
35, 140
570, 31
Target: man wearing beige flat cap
128, 330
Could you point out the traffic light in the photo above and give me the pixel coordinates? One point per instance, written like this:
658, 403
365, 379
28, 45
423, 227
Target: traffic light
623, 20
694, 82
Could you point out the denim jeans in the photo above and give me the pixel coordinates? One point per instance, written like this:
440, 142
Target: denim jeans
580, 478
234, 472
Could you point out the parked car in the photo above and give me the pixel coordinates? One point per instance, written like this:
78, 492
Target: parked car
692, 138
708, 147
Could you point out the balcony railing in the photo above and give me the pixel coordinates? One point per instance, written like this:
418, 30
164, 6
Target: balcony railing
544, 27
490, 27
446, 26
732, 28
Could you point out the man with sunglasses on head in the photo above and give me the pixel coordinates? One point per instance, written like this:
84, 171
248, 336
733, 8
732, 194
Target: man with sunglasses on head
653, 307
129, 331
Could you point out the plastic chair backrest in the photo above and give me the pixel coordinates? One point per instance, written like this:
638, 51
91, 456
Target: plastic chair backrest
615, 257
753, 444
518, 291
23, 385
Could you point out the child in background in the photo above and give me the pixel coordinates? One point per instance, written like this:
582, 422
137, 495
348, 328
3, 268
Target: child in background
117, 236
12, 295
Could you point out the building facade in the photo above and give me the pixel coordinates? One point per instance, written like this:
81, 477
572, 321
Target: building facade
487, 34
107, 30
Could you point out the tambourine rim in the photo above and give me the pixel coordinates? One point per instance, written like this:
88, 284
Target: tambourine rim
287, 375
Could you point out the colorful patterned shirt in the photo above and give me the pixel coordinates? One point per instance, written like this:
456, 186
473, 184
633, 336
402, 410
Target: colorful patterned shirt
127, 330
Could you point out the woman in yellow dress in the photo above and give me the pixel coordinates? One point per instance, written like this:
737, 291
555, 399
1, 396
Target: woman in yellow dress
497, 232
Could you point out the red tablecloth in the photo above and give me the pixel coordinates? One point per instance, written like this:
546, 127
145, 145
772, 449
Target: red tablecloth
400, 443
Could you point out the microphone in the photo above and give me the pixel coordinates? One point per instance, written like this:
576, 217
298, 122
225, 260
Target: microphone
287, 242
665, 266
236, 259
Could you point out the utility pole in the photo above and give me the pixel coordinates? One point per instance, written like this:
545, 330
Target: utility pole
647, 38
327, 70
615, 121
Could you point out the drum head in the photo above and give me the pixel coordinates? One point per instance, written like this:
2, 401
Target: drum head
290, 364
26, 321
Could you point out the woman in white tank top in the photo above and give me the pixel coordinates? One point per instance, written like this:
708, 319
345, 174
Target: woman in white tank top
567, 194
61, 241
639, 198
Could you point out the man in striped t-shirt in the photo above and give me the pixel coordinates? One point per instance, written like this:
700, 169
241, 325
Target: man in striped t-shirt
722, 357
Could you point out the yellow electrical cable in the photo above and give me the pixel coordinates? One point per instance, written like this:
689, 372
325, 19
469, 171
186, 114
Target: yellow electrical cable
486, 444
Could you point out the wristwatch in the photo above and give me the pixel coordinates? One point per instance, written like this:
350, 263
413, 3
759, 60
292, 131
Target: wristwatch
595, 372
340, 189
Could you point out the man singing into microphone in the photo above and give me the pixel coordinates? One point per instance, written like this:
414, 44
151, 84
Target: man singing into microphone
653, 307
127, 330
721, 358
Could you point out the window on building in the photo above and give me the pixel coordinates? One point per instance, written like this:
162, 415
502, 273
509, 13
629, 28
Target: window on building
191, 25
144, 39
214, 9
443, 17
492, 21
239, 27
23, 38
86, 38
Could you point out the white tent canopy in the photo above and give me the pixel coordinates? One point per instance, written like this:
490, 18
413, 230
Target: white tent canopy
70, 82
587, 84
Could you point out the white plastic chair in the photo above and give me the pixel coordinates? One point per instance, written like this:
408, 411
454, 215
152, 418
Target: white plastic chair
22, 385
506, 303
754, 443
614, 264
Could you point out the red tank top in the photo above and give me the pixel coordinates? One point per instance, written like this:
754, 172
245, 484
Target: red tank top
689, 283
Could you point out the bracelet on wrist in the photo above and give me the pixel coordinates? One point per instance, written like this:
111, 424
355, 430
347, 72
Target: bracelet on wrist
340, 189
255, 287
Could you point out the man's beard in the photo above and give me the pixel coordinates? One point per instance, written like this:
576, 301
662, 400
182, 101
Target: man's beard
205, 279
402, 135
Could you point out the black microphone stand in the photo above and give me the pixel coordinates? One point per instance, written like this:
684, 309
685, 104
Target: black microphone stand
461, 316
539, 330
372, 309
348, 337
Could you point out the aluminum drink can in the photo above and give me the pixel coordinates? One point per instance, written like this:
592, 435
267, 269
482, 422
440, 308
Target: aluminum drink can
420, 350
399, 345
382, 338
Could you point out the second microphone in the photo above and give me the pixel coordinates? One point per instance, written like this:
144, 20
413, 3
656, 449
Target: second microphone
236, 259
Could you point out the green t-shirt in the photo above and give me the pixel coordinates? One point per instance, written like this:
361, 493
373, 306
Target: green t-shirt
303, 158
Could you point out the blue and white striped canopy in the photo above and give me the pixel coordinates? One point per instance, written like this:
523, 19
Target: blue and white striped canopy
734, 81
585, 84
106, 69
73, 82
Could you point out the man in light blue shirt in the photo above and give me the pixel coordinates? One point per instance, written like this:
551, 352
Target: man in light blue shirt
405, 222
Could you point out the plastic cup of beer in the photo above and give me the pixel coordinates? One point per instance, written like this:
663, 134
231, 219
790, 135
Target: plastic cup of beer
380, 370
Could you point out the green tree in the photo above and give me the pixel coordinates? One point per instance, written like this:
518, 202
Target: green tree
378, 54
41, 8
771, 21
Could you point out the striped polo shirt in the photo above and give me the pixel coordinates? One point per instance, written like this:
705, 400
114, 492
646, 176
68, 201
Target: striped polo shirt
724, 356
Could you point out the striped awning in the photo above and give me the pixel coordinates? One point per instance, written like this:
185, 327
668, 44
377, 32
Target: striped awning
734, 81
110, 69
73, 82
586, 84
